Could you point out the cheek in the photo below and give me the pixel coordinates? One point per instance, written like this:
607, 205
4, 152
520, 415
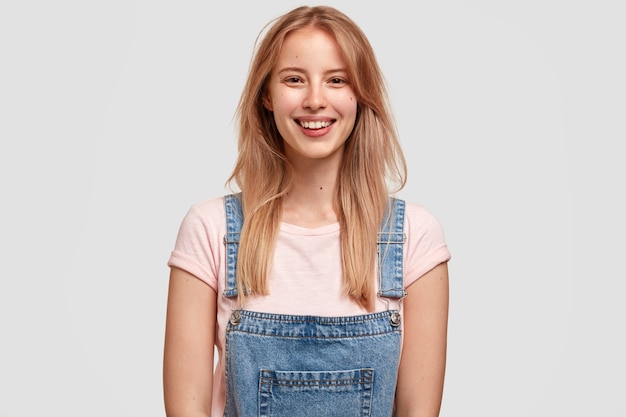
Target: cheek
349, 105
285, 101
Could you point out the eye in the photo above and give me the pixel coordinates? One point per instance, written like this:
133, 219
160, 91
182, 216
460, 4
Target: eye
293, 80
338, 81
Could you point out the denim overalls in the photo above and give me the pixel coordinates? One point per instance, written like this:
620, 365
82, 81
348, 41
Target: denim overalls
289, 365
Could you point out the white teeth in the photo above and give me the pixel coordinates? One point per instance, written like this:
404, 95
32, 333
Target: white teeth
314, 125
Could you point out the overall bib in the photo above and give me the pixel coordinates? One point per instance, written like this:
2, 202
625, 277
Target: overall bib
291, 365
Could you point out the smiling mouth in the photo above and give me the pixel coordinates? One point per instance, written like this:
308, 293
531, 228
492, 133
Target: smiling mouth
315, 125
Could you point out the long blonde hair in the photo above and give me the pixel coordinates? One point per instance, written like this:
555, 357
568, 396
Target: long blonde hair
372, 161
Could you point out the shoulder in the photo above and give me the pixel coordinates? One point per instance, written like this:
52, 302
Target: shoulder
212, 205
419, 221
204, 219
206, 212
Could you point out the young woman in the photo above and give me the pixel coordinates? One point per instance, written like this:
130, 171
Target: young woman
322, 293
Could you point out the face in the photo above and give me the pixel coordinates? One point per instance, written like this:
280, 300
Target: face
311, 98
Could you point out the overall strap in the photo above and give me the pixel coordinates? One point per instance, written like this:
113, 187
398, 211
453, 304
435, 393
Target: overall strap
234, 221
391, 240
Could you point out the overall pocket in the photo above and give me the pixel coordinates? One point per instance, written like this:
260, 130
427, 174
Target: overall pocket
345, 393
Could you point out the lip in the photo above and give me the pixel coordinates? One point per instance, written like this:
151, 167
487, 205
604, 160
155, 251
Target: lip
315, 132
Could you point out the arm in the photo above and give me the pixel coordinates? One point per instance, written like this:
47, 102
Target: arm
423, 361
189, 345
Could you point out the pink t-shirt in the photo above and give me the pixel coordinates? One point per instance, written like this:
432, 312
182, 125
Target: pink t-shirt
306, 277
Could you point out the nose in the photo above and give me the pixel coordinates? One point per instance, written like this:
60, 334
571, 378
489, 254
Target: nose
315, 98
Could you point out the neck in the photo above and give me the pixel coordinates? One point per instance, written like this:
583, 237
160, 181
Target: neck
311, 199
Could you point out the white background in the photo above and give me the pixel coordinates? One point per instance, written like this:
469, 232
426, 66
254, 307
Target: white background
116, 116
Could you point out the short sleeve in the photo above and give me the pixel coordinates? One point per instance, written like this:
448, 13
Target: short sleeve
425, 246
199, 243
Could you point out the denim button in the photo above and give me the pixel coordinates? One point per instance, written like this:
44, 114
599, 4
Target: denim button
235, 318
395, 319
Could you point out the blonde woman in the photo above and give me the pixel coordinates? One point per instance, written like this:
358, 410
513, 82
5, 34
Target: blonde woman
323, 294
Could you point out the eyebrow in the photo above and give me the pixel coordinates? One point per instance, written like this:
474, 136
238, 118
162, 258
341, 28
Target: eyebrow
300, 70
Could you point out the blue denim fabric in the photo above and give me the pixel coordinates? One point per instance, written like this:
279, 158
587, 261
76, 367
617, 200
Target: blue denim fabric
290, 365
391, 238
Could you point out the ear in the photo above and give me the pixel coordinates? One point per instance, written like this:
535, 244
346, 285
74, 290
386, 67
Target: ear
267, 101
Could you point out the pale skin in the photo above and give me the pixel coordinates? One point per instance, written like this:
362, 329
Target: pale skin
304, 87
423, 361
189, 341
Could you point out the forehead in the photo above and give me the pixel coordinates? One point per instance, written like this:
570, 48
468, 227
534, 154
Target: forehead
309, 45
